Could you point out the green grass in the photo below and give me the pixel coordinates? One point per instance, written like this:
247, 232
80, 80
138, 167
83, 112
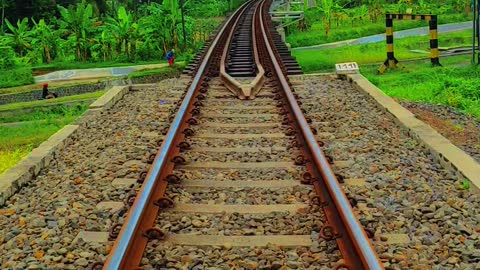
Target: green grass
16, 77
45, 113
316, 34
8, 159
325, 60
179, 66
49, 102
456, 84
16, 141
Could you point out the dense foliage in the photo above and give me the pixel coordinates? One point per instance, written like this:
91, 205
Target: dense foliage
342, 13
46, 31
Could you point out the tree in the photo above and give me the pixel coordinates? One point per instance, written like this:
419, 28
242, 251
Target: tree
20, 36
101, 6
4, 4
327, 9
103, 44
44, 40
78, 22
123, 28
161, 23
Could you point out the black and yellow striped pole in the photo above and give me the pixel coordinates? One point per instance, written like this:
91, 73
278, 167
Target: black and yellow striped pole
391, 61
476, 33
434, 54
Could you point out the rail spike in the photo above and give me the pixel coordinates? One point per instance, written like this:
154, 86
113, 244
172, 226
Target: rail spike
164, 202
155, 234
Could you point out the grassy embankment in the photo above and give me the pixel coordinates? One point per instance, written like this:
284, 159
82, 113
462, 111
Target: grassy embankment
25, 125
316, 34
21, 131
455, 84
27, 131
325, 60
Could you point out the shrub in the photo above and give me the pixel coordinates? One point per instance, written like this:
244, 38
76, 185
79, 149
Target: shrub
7, 58
16, 77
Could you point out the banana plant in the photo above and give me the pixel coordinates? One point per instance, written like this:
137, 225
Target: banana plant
103, 44
361, 12
20, 36
123, 28
45, 39
327, 9
78, 22
152, 27
374, 9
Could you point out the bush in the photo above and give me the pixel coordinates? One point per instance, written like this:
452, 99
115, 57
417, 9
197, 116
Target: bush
7, 58
16, 77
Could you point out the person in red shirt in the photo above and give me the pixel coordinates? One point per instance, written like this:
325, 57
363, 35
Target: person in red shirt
46, 94
170, 57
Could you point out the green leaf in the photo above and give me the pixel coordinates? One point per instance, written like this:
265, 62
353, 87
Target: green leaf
9, 25
465, 184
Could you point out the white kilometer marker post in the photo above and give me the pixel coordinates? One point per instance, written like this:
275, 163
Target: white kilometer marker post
347, 68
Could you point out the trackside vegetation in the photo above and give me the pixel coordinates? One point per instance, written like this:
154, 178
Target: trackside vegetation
71, 33
20, 133
456, 84
375, 53
334, 20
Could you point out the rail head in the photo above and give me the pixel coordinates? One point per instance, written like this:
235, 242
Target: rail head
119, 256
363, 246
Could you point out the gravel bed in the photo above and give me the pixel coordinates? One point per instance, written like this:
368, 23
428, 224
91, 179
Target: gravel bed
233, 102
261, 156
460, 129
232, 175
306, 221
311, 219
165, 256
250, 142
274, 118
247, 196
230, 130
38, 225
238, 110
407, 192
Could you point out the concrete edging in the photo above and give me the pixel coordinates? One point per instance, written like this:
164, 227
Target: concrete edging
29, 167
450, 156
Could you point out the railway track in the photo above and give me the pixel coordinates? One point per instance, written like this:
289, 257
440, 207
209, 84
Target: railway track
241, 184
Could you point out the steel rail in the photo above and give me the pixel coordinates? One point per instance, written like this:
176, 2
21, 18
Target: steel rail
363, 246
131, 230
